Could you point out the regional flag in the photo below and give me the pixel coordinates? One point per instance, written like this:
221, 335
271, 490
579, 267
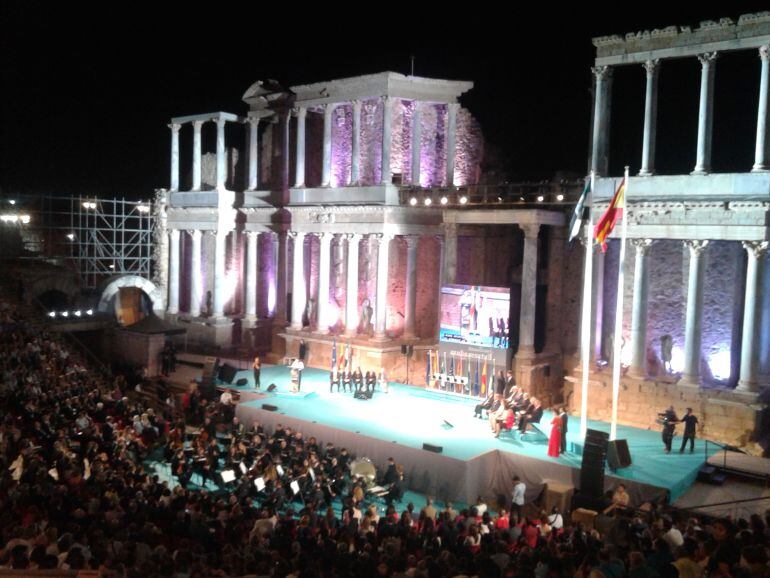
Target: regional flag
484, 379
427, 367
476, 381
611, 216
577, 215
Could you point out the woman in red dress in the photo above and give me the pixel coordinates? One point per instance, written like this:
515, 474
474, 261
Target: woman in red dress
554, 441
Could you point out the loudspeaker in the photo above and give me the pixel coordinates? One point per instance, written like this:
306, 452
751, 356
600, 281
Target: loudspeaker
227, 373
269, 407
592, 466
618, 455
432, 448
406, 349
242, 381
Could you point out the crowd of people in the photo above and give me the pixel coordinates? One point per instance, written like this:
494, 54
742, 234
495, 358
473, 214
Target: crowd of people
77, 491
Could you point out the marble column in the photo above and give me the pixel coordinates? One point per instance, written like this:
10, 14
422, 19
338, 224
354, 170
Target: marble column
286, 126
601, 128
761, 156
196, 164
639, 308
351, 295
387, 138
253, 153
451, 135
410, 302
416, 143
221, 154
251, 274
694, 313
705, 113
752, 311
220, 261
528, 293
597, 301
382, 286
450, 254
299, 176
298, 285
554, 318
651, 67
174, 155
441, 259
326, 167
173, 272
196, 279
355, 153
281, 279
324, 271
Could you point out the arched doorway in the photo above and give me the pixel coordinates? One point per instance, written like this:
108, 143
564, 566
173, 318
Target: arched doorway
130, 298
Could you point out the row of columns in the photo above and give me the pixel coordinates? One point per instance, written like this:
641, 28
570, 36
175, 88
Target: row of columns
221, 166
749, 365
602, 103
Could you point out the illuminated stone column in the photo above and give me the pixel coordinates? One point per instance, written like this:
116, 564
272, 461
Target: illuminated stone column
451, 135
324, 270
281, 278
196, 280
694, 314
299, 178
382, 286
355, 153
639, 308
251, 274
416, 140
450, 254
298, 288
173, 272
705, 113
651, 67
351, 296
285, 119
601, 129
253, 153
221, 154
749, 375
528, 293
196, 165
761, 152
387, 138
597, 301
412, 242
220, 260
174, 155
326, 168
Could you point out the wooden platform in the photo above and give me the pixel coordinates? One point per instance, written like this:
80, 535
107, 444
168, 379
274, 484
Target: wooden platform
740, 464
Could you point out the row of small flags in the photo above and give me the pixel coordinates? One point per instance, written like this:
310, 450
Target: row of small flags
480, 380
608, 220
344, 357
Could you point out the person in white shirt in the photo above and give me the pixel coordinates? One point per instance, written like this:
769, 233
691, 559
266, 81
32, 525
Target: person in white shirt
519, 489
555, 519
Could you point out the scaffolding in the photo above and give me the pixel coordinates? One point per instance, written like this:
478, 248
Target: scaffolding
97, 238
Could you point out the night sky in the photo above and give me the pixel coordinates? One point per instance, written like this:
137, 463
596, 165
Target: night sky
86, 96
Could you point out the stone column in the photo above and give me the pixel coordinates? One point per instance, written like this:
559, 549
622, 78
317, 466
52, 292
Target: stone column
286, 125
451, 133
299, 176
196, 280
253, 153
387, 138
554, 318
450, 253
196, 168
752, 310
382, 286
351, 296
324, 270
639, 309
705, 112
410, 303
416, 143
281, 279
326, 168
528, 293
355, 153
441, 251
251, 274
174, 155
220, 260
694, 315
761, 152
173, 273
601, 128
651, 67
597, 300
221, 154
298, 288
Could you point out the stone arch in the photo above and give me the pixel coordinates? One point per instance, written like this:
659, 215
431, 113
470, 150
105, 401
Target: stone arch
59, 281
115, 283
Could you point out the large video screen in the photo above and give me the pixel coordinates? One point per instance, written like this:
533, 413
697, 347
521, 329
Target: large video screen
475, 315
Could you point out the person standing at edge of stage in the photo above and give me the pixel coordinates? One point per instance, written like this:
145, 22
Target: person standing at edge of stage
517, 503
564, 416
257, 367
690, 422
554, 440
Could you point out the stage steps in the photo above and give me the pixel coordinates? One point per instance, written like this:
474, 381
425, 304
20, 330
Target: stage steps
711, 475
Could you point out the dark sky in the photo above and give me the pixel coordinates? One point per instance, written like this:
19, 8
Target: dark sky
86, 95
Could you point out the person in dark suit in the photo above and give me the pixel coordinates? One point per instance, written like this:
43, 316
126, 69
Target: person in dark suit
533, 415
669, 421
564, 421
509, 383
500, 384
690, 422
347, 381
358, 380
334, 379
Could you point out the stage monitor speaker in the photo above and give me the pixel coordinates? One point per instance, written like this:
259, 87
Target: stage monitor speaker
592, 466
269, 407
432, 448
618, 455
242, 381
227, 373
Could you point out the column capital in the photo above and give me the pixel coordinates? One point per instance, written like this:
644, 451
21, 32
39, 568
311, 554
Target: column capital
352, 237
453, 106
221, 122
299, 111
387, 100
764, 52
652, 66
175, 127
252, 234
325, 237
411, 241
696, 247
329, 108
197, 124
531, 230
756, 249
707, 58
195, 232
174, 232
642, 246
253, 120
601, 72
296, 234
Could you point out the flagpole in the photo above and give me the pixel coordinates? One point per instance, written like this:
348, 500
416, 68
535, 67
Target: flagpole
585, 330
619, 316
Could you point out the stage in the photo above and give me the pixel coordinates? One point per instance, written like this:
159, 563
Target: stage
472, 461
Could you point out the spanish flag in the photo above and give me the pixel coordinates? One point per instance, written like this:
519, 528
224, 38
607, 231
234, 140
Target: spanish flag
611, 216
484, 379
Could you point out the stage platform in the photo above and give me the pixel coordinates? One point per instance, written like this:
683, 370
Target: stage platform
472, 461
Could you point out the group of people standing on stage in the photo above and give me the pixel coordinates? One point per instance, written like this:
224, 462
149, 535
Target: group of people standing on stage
357, 382
668, 419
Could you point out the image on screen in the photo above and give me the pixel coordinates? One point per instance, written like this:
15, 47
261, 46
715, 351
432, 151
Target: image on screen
475, 315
